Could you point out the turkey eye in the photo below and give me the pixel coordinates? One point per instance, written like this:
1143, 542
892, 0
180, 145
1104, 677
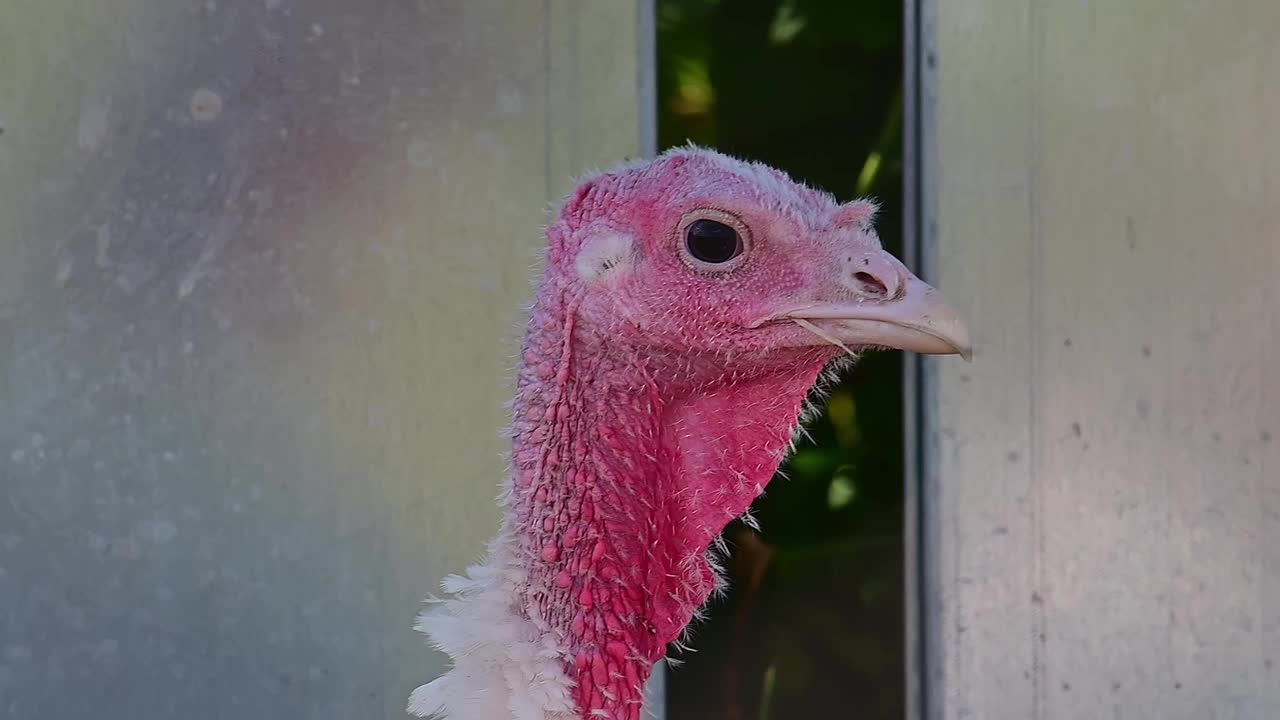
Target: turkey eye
712, 242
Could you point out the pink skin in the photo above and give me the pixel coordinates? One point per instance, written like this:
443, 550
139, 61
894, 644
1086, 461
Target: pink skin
657, 397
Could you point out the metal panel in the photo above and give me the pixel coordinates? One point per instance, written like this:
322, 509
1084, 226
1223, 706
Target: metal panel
262, 266
1102, 503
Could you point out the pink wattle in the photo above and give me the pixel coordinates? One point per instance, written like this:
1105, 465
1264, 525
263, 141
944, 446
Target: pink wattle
629, 461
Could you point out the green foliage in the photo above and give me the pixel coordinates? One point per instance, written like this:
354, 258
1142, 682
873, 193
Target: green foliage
813, 626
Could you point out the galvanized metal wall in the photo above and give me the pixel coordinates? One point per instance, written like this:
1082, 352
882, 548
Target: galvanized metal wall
1102, 486
260, 270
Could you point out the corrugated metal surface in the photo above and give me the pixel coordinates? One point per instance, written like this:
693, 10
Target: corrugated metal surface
1102, 490
261, 268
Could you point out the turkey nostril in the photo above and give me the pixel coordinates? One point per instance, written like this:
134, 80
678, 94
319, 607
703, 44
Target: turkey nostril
871, 285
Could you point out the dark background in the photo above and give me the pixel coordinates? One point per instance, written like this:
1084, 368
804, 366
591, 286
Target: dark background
813, 623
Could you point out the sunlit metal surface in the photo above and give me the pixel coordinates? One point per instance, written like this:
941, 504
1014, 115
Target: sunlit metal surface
1102, 484
260, 270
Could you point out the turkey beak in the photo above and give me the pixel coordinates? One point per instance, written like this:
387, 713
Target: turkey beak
881, 303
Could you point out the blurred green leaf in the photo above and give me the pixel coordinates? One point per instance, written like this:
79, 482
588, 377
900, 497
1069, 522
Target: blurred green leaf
786, 24
842, 491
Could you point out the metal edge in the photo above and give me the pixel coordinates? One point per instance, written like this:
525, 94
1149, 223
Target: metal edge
913, 632
930, 648
917, 225
655, 690
647, 75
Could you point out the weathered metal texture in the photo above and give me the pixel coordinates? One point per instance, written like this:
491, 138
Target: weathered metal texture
261, 264
1102, 484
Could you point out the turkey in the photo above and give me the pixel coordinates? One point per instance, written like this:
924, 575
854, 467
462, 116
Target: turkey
687, 306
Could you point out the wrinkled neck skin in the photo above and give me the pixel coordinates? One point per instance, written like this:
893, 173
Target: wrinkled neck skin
627, 464
626, 469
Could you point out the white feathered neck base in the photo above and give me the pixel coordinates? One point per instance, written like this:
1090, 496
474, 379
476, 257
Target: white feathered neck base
504, 667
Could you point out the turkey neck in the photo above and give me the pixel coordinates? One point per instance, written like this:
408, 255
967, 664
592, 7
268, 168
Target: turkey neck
627, 464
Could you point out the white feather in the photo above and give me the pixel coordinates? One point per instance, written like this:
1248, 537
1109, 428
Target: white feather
504, 668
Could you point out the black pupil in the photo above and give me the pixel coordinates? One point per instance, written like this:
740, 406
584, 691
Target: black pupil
713, 242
